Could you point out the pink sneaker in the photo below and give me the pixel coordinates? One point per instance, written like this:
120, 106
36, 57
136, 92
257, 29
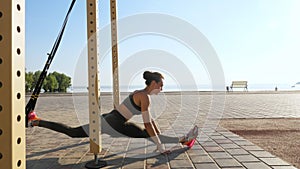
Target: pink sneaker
32, 118
190, 137
191, 143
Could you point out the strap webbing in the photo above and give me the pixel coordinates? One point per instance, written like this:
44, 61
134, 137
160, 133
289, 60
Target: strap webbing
32, 102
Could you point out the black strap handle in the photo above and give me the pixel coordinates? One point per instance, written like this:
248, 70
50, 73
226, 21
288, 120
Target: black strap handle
35, 94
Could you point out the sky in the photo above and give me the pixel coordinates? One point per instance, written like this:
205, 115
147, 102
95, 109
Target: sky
254, 40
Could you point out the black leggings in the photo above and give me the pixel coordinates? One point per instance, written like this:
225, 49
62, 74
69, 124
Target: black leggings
112, 123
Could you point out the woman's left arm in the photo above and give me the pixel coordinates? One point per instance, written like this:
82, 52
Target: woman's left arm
155, 127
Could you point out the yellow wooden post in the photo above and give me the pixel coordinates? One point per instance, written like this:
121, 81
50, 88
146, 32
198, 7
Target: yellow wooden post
114, 42
12, 84
94, 113
93, 79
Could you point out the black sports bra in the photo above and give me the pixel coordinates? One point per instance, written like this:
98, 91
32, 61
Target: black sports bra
132, 107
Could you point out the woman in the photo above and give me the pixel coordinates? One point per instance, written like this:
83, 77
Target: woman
135, 104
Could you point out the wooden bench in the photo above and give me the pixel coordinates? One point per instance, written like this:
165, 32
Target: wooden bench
239, 84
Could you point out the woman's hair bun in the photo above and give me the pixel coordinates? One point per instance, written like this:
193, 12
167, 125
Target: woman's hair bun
150, 76
147, 75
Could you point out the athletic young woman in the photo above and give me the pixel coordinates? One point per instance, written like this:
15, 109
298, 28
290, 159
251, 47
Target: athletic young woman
137, 103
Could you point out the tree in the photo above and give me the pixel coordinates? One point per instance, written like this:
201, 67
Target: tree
29, 81
50, 84
36, 76
63, 80
65, 83
45, 86
53, 82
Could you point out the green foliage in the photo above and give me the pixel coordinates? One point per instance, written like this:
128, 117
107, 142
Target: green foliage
54, 82
50, 84
36, 76
29, 82
63, 81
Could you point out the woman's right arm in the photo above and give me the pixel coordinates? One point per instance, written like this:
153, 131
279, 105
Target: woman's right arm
148, 125
147, 116
152, 132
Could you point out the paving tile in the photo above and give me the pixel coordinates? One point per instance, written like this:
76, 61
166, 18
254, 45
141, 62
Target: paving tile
48, 163
201, 159
274, 161
180, 163
198, 152
219, 137
261, 154
156, 160
256, 165
160, 166
74, 154
133, 164
203, 137
246, 158
219, 155
136, 151
228, 163
252, 148
69, 160
284, 167
235, 138
229, 146
224, 141
209, 144
207, 166
177, 156
213, 149
238, 151
115, 163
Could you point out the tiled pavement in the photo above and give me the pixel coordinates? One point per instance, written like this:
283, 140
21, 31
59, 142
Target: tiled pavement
216, 147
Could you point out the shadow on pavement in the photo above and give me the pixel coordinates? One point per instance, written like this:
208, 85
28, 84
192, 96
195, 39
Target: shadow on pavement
113, 160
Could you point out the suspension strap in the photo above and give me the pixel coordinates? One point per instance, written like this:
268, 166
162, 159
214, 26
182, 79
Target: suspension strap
37, 89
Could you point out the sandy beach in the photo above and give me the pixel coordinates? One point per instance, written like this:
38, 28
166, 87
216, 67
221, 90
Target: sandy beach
270, 120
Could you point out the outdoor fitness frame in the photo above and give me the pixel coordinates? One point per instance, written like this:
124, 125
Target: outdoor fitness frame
12, 79
12, 84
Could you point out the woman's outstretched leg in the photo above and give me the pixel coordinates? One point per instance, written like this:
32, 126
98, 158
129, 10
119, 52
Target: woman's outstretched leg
74, 132
117, 124
80, 131
168, 139
134, 131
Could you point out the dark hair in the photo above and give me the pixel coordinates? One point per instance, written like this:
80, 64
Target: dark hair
150, 76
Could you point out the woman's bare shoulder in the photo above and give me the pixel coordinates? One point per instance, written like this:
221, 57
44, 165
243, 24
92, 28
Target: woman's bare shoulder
141, 94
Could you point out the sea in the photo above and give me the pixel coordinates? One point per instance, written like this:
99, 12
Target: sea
200, 87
